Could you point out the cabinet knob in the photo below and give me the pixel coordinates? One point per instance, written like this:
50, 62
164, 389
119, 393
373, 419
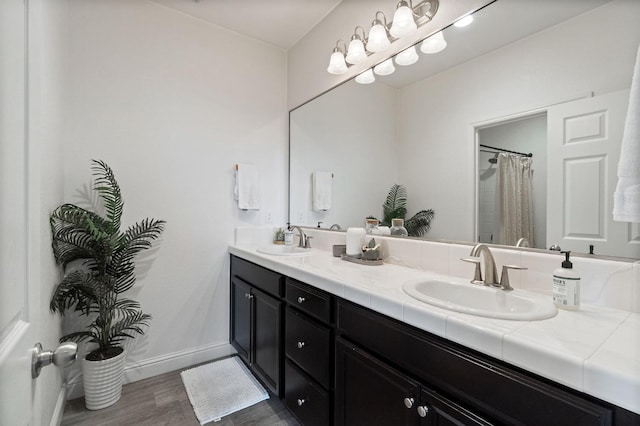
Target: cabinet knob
301, 401
301, 299
423, 410
408, 402
301, 345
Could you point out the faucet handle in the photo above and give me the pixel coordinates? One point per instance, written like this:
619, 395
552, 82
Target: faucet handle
477, 276
307, 243
504, 278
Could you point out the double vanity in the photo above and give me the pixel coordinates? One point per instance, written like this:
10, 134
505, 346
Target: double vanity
348, 344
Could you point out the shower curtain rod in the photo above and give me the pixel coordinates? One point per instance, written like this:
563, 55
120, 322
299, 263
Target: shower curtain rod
506, 150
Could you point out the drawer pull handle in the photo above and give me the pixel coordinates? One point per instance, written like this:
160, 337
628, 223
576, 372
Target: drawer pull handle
408, 402
423, 410
301, 401
301, 345
248, 296
301, 299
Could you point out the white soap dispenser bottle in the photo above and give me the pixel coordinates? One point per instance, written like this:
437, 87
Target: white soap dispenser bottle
566, 285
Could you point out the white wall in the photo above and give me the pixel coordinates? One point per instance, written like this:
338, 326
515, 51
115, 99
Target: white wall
309, 58
437, 137
171, 103
324, 130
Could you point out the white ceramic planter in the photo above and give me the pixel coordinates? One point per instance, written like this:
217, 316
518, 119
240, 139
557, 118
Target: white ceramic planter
102, 381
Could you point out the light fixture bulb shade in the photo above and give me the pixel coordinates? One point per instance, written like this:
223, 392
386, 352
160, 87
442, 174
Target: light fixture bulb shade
463, 22
434, 44
407, 57
384, 68
356, 53
378, 40
337, 65
403, 23
366, 77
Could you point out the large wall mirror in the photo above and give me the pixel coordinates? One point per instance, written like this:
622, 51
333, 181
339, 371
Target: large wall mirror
549, 79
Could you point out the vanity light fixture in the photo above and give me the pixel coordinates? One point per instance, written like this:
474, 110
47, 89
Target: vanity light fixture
403, 23
337, 65
385, 68
407, 18
407, 57
434, 44
366, 77
356, 53
463, 22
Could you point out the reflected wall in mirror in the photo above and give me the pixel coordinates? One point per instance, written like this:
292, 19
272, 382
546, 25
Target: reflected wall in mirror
421, 126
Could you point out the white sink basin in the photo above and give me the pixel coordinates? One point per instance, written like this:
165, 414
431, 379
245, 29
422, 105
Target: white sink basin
482, 301
282, 250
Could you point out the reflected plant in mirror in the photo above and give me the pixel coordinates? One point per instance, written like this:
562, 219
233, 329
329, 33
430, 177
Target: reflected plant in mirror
424, 123
395, 207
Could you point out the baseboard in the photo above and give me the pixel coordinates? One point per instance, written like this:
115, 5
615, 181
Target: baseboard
161, 364
58, 410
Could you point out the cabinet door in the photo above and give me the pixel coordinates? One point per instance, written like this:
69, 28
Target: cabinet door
241, 318
267, 344
369, 392
435, 410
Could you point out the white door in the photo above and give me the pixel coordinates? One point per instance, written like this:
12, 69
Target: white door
16, 318
584, 139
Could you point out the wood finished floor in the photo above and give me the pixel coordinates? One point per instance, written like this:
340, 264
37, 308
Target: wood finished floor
162, 400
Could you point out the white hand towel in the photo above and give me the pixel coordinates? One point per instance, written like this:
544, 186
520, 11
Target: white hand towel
626, 199
322, 191
247, 188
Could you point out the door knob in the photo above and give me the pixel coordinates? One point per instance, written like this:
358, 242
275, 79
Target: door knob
423, 410
63, 356
408, 402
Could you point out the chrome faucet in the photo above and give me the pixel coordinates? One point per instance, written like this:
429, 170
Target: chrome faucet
304, 239
490, 271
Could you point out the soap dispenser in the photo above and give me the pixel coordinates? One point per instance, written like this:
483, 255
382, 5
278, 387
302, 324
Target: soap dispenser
288, 235
566, 285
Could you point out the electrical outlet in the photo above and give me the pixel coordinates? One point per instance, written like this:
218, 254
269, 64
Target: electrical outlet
267, 218
300, 217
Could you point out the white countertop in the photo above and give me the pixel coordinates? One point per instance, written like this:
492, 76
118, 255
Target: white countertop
594, 350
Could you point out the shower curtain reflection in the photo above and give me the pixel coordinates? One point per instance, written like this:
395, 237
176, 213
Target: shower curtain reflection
514, 199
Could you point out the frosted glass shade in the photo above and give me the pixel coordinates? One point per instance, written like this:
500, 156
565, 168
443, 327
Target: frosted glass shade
378, 40
356, 53
366, 77
407, 57
384, 68
403, 23
337, 65
464, 21
434, 44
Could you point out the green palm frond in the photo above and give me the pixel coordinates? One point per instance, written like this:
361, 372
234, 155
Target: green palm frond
420, 223
107, 187
396, 204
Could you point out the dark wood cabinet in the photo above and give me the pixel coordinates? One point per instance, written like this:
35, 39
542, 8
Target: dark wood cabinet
368, 392
257, 321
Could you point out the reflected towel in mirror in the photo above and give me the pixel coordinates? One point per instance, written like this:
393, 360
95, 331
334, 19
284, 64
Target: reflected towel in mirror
321, 191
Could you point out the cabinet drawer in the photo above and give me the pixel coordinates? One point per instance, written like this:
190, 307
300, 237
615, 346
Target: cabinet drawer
308, 402
259, 277
308, 299
308, 343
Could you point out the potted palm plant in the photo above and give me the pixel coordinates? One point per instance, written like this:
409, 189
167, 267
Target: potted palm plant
97, 260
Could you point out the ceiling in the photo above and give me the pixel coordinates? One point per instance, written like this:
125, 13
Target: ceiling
281, 23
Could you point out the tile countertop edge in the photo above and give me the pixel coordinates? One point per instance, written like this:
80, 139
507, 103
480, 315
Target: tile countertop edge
298, 269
